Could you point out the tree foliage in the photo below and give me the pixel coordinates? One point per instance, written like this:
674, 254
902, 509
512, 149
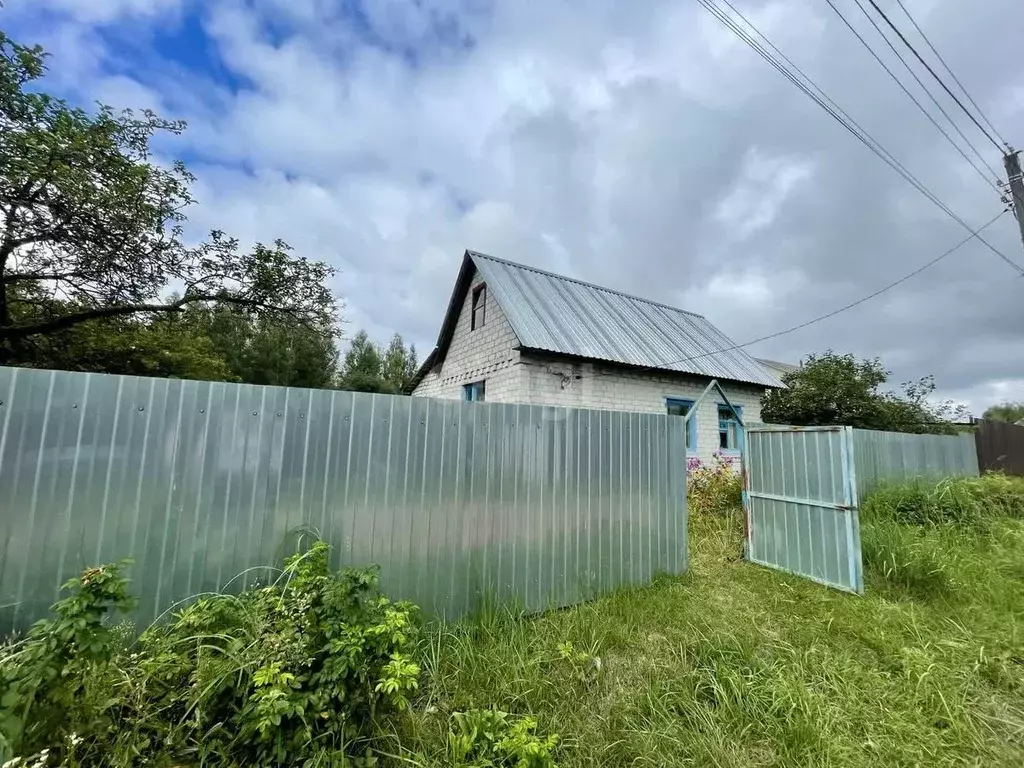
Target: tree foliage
1009, 412
366, 368
832, 389
91, 231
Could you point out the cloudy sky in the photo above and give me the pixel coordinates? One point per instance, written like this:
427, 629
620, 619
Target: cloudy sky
638, 145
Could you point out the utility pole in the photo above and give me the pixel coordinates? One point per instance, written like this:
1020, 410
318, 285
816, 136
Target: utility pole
1013, 174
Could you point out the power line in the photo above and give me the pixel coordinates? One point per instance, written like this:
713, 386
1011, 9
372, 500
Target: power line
867, 138
844, 308
951, 73
935, 101
838, 114
906, 90
932, 71
824, 101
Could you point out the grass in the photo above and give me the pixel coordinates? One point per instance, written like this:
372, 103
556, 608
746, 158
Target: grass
737, 665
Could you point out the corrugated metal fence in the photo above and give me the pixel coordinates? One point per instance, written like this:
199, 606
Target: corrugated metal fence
893, 456
1000, 447
801, 503
200, 481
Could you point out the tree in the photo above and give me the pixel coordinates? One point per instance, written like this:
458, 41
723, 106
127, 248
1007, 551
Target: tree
268, 350
831, 389
399, 364
122, 345
91, 227
1009, 412
367, 369
361, 369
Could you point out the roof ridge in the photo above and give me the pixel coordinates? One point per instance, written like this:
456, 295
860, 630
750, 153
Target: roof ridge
517, 265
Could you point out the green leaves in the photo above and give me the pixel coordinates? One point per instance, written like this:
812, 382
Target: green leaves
367, 369
831, 389
1009, 412
91, 229
277, 675
489, 737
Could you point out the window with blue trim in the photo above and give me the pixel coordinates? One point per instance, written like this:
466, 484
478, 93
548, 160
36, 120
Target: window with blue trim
728, 428
677, 407
474, 392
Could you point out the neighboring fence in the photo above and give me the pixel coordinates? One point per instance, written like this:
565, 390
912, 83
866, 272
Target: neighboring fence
1000, 447
882, 457
200, 481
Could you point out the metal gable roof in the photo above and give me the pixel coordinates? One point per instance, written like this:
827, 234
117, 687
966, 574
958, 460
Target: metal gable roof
552, 313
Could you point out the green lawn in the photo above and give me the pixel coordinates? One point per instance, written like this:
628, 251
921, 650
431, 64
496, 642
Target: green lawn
738, 665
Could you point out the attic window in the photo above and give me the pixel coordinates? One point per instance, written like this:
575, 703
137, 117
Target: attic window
479, 307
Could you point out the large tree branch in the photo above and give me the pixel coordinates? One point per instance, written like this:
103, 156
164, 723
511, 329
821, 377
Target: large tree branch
18, 332
20, 277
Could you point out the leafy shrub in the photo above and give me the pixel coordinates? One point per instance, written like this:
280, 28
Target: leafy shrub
713, 489
294, 673
51, 682
489, 737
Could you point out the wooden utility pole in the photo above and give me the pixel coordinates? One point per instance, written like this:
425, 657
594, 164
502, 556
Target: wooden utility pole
1012, 162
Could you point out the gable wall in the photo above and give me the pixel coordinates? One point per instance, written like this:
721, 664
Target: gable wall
486, 354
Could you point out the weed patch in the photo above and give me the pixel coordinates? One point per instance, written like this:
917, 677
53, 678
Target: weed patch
295, 673
715, 488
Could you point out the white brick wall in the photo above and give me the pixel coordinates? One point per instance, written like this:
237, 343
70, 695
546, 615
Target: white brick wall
485, 354
490, 354
611, 387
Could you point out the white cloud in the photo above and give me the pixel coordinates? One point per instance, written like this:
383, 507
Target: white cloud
638, 146
103, 11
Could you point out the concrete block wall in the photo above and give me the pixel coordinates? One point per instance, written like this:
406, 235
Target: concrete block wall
485, 354
551, 381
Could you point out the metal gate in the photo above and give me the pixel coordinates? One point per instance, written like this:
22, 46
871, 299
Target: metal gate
801, 503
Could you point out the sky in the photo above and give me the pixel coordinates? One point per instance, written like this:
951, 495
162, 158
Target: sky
639, 146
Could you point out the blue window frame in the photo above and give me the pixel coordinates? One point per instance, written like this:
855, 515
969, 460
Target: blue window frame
730, 436
474, 392
678, 407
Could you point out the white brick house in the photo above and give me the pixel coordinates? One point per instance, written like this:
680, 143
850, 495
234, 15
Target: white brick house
515, 334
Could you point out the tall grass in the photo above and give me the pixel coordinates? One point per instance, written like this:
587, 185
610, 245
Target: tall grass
934, 540
737, 665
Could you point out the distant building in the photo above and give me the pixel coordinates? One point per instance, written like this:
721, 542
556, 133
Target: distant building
516, 334
777, 368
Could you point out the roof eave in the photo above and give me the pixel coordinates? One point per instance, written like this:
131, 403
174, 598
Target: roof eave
654, 369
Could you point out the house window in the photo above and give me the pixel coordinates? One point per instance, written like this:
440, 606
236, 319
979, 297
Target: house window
479, 307
474, 392
676, 407
728, 428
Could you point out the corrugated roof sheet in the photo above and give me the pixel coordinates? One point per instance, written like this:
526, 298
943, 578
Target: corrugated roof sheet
558, 314
778, 365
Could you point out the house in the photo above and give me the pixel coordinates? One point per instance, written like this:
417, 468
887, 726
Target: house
517, 334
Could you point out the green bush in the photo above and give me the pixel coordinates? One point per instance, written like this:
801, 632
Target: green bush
490, 738
294, 673
713, 489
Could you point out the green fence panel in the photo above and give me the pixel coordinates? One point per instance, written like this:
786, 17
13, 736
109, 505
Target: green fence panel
205, 483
